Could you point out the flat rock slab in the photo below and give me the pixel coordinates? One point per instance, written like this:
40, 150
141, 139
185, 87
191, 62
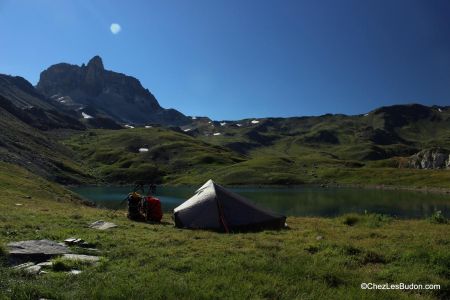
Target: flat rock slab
37, 248
23, 266
102, 225
29, 267
82, 257
45, 264
33, 269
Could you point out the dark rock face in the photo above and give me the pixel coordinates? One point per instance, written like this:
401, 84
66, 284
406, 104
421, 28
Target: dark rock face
399, 115
116, 95
434, 158
19, 98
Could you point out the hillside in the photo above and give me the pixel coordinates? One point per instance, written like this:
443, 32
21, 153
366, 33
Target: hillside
152, 154
371, 149
26, 120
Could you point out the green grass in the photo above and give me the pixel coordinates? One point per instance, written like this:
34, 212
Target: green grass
330, 149
162, 262
114, 157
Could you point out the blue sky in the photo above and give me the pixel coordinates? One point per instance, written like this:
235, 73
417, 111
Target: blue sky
248, 58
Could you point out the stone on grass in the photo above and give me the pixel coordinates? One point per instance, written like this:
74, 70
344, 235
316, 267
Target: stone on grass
23, 266
70, 240
74, 272
73, 241
102, 225
82, 258
37, 248
92, 249
45, 264
33, 269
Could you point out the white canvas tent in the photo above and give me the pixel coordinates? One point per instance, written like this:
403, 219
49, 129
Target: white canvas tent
214, 207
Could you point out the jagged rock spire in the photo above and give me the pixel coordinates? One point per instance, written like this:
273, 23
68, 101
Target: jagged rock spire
96, 63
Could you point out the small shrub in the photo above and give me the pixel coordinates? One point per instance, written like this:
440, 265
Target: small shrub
76, 216
376, 220
438, 218
350, 250
312, 249
350, 220
61, 264
371, 257
2, 253
332, 280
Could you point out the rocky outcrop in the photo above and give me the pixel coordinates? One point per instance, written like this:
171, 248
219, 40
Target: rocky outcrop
114, 95
20, 99
434, 158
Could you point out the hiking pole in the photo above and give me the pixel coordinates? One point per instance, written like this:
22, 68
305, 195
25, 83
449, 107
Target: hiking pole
118, 206
136, 187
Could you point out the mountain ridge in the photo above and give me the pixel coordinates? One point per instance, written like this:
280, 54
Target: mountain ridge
113, 94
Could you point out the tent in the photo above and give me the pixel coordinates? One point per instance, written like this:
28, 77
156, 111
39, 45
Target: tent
214, 207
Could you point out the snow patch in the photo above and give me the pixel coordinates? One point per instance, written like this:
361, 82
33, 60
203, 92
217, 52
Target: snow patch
217, 133
148, 126
141, 150
223, 123
255, 121
86, 116
238, 125
366, 115
194, 118
187, 130
129, 126
440, 110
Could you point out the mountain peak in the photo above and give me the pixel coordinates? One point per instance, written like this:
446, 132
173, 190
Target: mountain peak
112, 94
96, 62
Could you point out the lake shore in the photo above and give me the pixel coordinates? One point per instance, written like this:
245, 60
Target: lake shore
435, 190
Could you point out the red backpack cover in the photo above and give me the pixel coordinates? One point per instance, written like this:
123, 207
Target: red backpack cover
153, 209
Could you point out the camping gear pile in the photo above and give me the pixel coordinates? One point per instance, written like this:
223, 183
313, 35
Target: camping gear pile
144, 208
216, 208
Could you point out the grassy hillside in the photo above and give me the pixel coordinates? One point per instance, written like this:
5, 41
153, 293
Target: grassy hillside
35, 150
315, 259
370, 149
114, 156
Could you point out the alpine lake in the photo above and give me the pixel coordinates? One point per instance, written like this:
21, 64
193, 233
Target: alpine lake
306, 201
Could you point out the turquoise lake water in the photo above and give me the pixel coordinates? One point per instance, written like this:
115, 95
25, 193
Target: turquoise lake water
298, 201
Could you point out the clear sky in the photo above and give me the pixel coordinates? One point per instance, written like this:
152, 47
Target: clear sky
230, 59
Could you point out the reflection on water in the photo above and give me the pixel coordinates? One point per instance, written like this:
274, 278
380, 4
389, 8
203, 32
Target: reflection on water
299, 201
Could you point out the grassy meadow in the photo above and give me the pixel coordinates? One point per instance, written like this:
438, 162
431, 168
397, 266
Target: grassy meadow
315, 258
178, 158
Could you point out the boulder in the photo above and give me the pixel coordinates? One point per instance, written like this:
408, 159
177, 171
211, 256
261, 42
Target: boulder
102, 225
33, 269
82, 258
434, 158
37, 248
45, 264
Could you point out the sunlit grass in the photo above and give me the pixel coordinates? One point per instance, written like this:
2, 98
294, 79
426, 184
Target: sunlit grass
315, 258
